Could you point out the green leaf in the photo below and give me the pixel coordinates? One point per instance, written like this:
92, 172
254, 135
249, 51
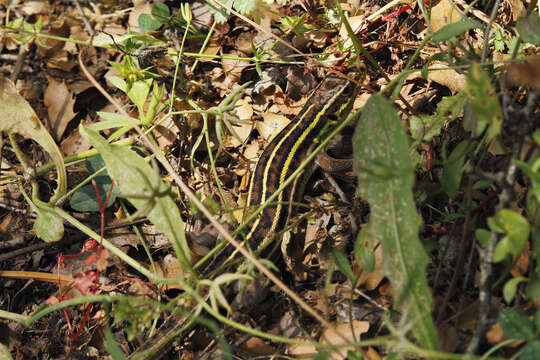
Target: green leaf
484, 104
510, 288
161, 12
343, 265
112, 346
426, 127
246, 7
517, 230
454, 30
515, 324
529, 28
453, 169
322, 355
141, 184
18, 117
85, 198
148, 23
482, 235
385, 179
530, 351
220, 15
107, 40
139, 93
48, 225
354, 355
494, 225
111, 120
5, 354
533, 290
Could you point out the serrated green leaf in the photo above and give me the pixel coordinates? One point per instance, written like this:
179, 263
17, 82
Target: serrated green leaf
453, 30
385, 179
246, 7
135, 177
515, 324
220, 15
425, 127
529, 28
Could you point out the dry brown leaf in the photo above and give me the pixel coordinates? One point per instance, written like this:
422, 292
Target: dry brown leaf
60, 60
340, 334
232, 70
257, 346
446, 77
77, 32
271, 125
59, 102
521, 266
302, 351
495, 335
517, 8
251, 153
357, 23
35, 7
140, 7
244, 111
166, 133
140, 288
372, 354
443, 14
526, 74
74, 143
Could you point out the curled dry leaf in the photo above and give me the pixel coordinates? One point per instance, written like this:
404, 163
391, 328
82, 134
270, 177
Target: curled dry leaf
59, 102
442, 74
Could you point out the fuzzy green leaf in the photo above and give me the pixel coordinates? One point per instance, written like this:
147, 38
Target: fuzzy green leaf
385, 180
